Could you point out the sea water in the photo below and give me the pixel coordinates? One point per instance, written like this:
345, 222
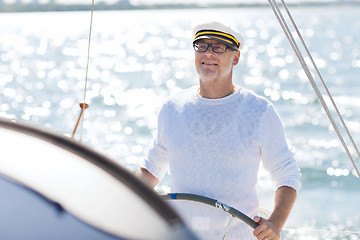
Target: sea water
138, 58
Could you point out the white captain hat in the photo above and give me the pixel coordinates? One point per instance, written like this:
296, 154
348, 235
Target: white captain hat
219, 32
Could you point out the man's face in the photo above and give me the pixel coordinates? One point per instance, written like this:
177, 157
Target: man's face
213, 66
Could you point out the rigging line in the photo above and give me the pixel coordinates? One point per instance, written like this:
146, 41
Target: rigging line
293, 44
84, 105
228, 228
87, 63
307, 71
88, 53
321, 79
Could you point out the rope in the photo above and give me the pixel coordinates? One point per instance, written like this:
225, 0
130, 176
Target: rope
84, 105
228, 228
293, 44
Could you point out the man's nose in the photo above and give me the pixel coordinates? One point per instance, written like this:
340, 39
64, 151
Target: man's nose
209, 49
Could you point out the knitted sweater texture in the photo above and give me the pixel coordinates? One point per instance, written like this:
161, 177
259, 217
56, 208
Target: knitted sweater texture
213, 147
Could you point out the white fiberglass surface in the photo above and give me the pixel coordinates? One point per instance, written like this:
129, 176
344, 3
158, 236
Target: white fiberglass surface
80, 187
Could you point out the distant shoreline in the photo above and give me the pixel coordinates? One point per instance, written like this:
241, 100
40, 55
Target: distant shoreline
32, 7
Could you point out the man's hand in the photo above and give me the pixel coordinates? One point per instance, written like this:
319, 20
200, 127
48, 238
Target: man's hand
266, 230
269, 229
146, 177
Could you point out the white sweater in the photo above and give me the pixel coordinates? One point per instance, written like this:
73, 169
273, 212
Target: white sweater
213, 147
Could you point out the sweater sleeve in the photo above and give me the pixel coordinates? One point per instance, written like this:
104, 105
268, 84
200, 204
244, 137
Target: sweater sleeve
277, 158
156, 161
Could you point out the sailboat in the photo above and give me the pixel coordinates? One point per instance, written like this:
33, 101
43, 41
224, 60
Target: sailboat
62, 205
55, 188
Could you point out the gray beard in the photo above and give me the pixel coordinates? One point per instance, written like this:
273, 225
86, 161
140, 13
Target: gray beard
207, 78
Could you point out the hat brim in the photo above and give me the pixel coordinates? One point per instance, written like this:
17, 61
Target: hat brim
217, 39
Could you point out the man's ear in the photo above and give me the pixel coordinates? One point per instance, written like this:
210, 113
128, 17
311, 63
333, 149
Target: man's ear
236, 58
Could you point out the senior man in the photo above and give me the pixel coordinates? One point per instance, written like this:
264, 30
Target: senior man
213, 136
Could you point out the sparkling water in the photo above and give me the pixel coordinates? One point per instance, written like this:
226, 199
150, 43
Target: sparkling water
138, 58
